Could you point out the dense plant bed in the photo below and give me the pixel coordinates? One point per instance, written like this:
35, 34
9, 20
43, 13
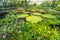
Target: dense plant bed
30, 22
42, 27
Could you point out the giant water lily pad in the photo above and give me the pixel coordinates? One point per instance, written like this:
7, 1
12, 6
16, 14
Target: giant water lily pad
48, 16
36, 13
33, 19
22, 15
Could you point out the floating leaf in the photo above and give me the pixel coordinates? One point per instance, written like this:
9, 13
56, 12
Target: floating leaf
42, 10
36, 13
48, 16
33, 19
22, 15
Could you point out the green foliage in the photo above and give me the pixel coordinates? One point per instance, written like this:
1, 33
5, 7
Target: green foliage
42, 24
30, 31
57, 8
46, 4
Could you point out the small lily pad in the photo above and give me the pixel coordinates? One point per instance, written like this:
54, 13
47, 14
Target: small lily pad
33, 19
36, 13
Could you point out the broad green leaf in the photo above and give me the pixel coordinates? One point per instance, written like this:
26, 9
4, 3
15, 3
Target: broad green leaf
36, 13
33, 19
22, 15
42, 10
48, 16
